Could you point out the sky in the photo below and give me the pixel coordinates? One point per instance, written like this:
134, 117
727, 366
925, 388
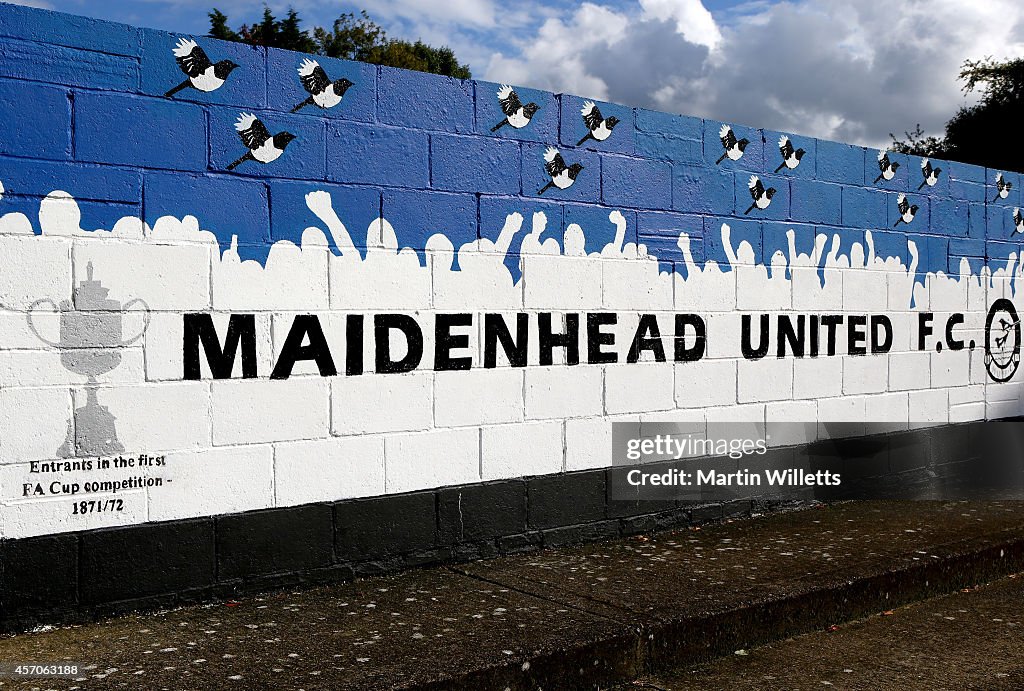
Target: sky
848, 70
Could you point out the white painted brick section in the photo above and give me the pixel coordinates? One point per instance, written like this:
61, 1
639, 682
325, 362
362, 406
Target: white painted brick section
705, 383
43, 270
328, 469
520, 450
247, 411
431, 459
563, 392
638, 387
158, 417
478, 397
166, 277
33, 423
215, 481
382, 403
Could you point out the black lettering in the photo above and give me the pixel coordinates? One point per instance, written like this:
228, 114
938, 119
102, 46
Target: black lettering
382, 326
496, 330
445, 341
794, 337
304, 326
597, 338
642, 341
241, 331
856, 335
548, 341
696, 351
884, 344
749, 352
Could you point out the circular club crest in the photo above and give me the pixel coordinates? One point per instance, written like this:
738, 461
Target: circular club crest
1002, 340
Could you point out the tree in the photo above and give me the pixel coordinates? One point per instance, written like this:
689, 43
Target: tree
352, 37
983, 134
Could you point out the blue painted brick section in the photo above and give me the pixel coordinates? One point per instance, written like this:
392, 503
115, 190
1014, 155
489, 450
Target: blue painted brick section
998, 253
775, 238
740, 231
949, 217
932, 252
967, 248
816, 202
224, 206
573, 128
840, 162
660, 232
777, 209
967, 172
773, 161
246, 87
69, 30
290, 215
474, 164
495, 210
94, 215
417, 215
303, 158
999, 221
669, 125
424, 101
891, 244
286, 91
703, 190
968, 191
597, 224
976, 221
118, 129
588, 183
61, 65
753, 154
377, 155
636, 183
47, 133
543, 127
674, 149
864, 207
81, 181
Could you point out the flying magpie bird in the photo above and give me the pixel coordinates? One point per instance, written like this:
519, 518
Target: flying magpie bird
202, 74
906, 210
600, 127
1003, 187
887, 167
733, 147
930, 174
1018, 221
257, 138
762, 197
322, 91
562, 176
516, 114
790, 157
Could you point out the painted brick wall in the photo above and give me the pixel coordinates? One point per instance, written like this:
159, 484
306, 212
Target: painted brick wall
403, 199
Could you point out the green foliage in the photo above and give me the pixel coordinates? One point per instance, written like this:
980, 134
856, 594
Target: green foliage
983, 134
352, 37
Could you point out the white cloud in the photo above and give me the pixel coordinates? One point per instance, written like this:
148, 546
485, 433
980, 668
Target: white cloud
852, 70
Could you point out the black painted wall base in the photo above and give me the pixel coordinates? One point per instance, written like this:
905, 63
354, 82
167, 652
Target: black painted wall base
73, 577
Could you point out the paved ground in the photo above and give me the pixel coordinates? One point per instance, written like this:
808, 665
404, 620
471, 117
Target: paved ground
558, 619
972, 639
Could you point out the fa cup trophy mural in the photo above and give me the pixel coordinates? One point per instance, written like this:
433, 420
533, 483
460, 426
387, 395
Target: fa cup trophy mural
90, 341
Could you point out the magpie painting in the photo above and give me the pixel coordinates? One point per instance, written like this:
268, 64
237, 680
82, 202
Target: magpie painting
929, 173
906, 210
886, 167
562, 176
1003, 187
516, 114
762, 197
1018, 222
790, 156
203, 75
322, 91
263, 147
734, 148
599, 127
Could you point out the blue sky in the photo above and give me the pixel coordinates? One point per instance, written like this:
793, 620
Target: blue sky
852, 70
